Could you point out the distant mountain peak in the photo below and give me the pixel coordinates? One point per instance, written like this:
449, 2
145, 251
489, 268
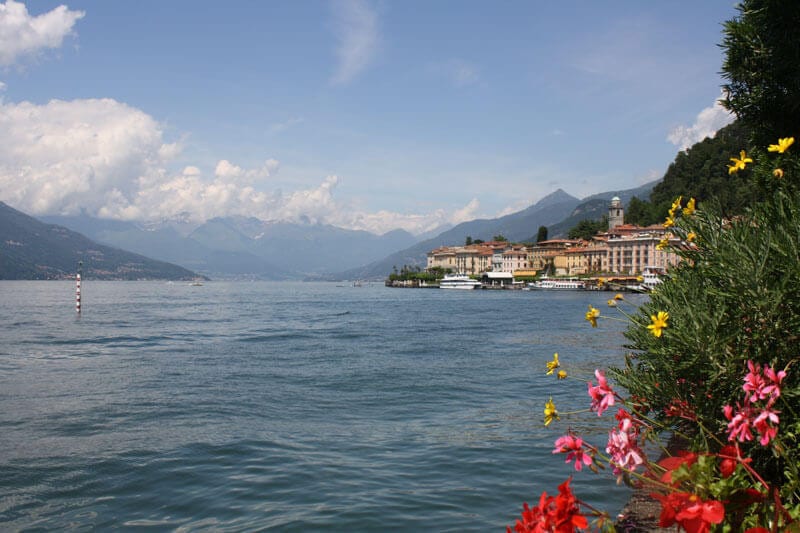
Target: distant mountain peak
558, 196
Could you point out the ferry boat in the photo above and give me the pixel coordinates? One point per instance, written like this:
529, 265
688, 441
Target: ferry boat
458, 281
651, 278
567, 284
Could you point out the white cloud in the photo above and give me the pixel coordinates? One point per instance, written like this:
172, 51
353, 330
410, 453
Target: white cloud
113, 160
228, 171
468, 212
707, 123
356, 29
24, 35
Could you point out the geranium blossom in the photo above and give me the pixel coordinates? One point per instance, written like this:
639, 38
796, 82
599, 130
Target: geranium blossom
691, 512
559, 514
623, 446
766, 423
739, 424
573, 447
602, 395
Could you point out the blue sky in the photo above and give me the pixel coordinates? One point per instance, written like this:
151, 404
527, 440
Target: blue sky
363, 114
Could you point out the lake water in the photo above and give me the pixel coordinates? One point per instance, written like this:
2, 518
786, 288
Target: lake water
290, 406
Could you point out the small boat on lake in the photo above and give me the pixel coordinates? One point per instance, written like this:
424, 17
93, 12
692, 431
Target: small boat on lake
563, 284
458, 281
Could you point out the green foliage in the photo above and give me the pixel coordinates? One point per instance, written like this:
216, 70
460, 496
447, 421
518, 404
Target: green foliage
762, 67
701, 172
586, 229
407, 273
541, 235
735, 298
468, 241
641, 213
499, 238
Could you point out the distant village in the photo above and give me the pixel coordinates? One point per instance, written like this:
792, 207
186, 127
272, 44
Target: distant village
624, 251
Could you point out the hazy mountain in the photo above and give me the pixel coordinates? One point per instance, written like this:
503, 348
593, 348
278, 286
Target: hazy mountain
30, 249
594, 207
515, 227
244, 246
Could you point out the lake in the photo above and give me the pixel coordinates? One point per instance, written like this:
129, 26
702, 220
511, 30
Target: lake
240, 406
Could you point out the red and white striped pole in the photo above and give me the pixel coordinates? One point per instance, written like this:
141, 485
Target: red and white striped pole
78, 288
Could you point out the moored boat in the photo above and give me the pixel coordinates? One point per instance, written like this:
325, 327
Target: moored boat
458, 281
573, 284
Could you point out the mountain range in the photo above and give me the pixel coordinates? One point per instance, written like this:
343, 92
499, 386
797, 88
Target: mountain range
30, 249
249, 248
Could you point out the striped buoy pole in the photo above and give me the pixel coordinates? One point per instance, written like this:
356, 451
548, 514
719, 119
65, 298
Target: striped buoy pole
78, 288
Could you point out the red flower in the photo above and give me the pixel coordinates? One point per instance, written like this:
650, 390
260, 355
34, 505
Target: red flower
729, 457
554, 514
673, 463
689, 511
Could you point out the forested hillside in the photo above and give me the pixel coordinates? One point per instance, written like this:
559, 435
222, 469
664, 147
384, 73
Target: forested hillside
700, 172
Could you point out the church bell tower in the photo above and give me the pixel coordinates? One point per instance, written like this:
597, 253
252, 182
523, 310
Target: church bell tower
616, 214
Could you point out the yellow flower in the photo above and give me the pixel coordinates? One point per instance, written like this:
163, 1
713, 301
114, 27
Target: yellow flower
659, 323
619, 296
782, 146
562, 374
675, 206
778, 172
591, 316
740, 163
663, 243
601, 282
639, 279
690, 208
550, 412
612, 303
691, 236
552, 365
669, 222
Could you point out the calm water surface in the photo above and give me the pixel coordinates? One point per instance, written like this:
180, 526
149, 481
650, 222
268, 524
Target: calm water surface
289, 406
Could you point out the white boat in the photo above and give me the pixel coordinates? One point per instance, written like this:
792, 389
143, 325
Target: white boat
458, 281
651, 278
566, 284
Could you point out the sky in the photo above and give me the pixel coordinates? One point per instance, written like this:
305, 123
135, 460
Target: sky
364, 114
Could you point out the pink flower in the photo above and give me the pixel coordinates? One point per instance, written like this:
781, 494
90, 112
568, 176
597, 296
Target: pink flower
573, 445
739, 424
763, 386
754, 382
623, 448
765, 429
602, 395
774, 388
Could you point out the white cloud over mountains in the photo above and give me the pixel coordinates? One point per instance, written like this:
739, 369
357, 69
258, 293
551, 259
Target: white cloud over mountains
23, 35
113, 160
707, 123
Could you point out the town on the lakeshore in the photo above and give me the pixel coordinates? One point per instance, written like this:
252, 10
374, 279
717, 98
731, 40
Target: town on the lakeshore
616, 258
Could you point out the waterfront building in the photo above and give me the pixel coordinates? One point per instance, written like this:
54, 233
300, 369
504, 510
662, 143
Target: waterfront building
514, 258
624, 249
